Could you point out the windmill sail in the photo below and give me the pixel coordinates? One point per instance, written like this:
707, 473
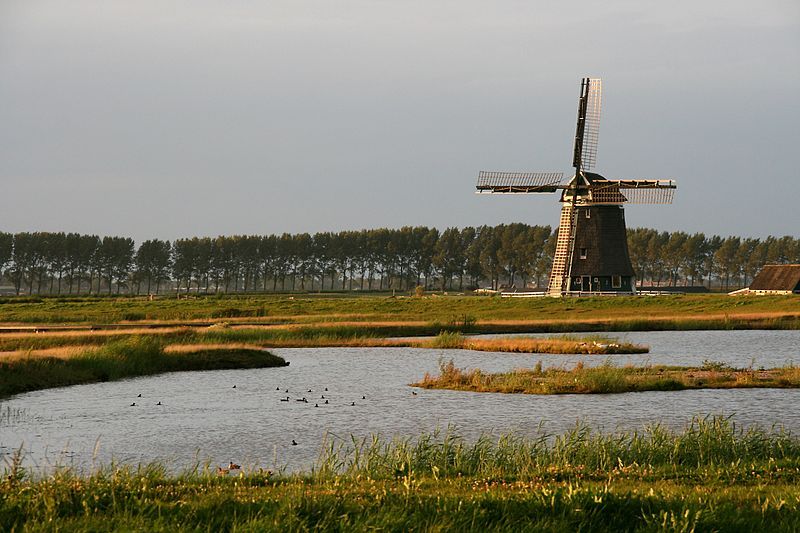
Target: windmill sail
632, 191
587, 129
518, 182
592, 131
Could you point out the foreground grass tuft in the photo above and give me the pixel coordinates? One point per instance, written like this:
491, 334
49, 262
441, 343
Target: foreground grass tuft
712, 476
609, 379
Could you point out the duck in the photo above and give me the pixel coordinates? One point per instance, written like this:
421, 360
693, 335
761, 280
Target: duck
414, 393
133, 404
326, 389
159, 403
222, 471
352, 404
285, 399
322, 397
294, 443
233, 466
363, 397
316, 405
140, 395
326, 401
277, 388
234, 386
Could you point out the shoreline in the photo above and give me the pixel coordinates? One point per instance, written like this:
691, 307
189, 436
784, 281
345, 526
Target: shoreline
23, 372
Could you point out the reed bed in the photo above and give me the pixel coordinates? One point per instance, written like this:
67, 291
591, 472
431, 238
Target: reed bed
711, 476
609, 379
134, 356
556, 345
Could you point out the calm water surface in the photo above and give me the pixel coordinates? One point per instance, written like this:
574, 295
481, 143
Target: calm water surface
203, 417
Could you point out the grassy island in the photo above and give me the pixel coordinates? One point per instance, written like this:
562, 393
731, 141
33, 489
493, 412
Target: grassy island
609, 379
133, 356
711, 476
566, 344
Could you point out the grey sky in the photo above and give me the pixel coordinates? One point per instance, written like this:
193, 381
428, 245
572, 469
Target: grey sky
181, 118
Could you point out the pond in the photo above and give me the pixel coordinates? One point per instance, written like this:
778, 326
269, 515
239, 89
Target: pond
204, 418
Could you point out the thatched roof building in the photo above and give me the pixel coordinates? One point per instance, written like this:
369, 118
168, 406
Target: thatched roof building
777, 279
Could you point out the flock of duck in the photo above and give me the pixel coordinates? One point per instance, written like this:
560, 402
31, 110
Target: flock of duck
134, 404
303, 399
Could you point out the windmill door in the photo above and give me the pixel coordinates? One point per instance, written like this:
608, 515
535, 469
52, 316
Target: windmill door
586, 284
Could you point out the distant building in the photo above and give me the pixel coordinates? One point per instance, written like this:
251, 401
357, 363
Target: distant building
775, 279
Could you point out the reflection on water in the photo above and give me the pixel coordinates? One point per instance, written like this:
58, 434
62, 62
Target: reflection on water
203, 417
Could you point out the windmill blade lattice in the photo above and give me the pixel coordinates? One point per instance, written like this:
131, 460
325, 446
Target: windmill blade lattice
594, 102
512, 182
633, 191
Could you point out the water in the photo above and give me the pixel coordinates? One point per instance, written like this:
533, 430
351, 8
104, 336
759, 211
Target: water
204, 418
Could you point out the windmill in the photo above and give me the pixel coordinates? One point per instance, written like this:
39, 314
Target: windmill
591, 248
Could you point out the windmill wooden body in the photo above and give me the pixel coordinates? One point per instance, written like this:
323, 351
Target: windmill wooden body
591, 253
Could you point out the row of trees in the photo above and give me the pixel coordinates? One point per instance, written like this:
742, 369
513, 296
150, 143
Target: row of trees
509, 254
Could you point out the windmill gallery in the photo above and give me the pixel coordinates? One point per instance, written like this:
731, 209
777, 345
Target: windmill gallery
591, 253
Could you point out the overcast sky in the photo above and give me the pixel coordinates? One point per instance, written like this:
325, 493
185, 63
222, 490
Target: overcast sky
179, 118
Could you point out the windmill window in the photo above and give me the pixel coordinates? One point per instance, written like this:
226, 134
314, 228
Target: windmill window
616, 282
583, 253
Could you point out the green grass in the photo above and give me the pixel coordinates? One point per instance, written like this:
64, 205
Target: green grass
712, 476
134, 356
609, 379
437, 309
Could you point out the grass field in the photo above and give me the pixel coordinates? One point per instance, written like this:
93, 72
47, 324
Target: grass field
713, 311
712, 476
133, 356
610, 379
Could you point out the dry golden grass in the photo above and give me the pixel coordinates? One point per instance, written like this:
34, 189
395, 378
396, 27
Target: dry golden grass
551, 346
90, 332
189, 348
557, 345
61, 352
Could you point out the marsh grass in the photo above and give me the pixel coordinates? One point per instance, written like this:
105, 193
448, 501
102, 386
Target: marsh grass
608, 379
133, 356
566, 344
712, 475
